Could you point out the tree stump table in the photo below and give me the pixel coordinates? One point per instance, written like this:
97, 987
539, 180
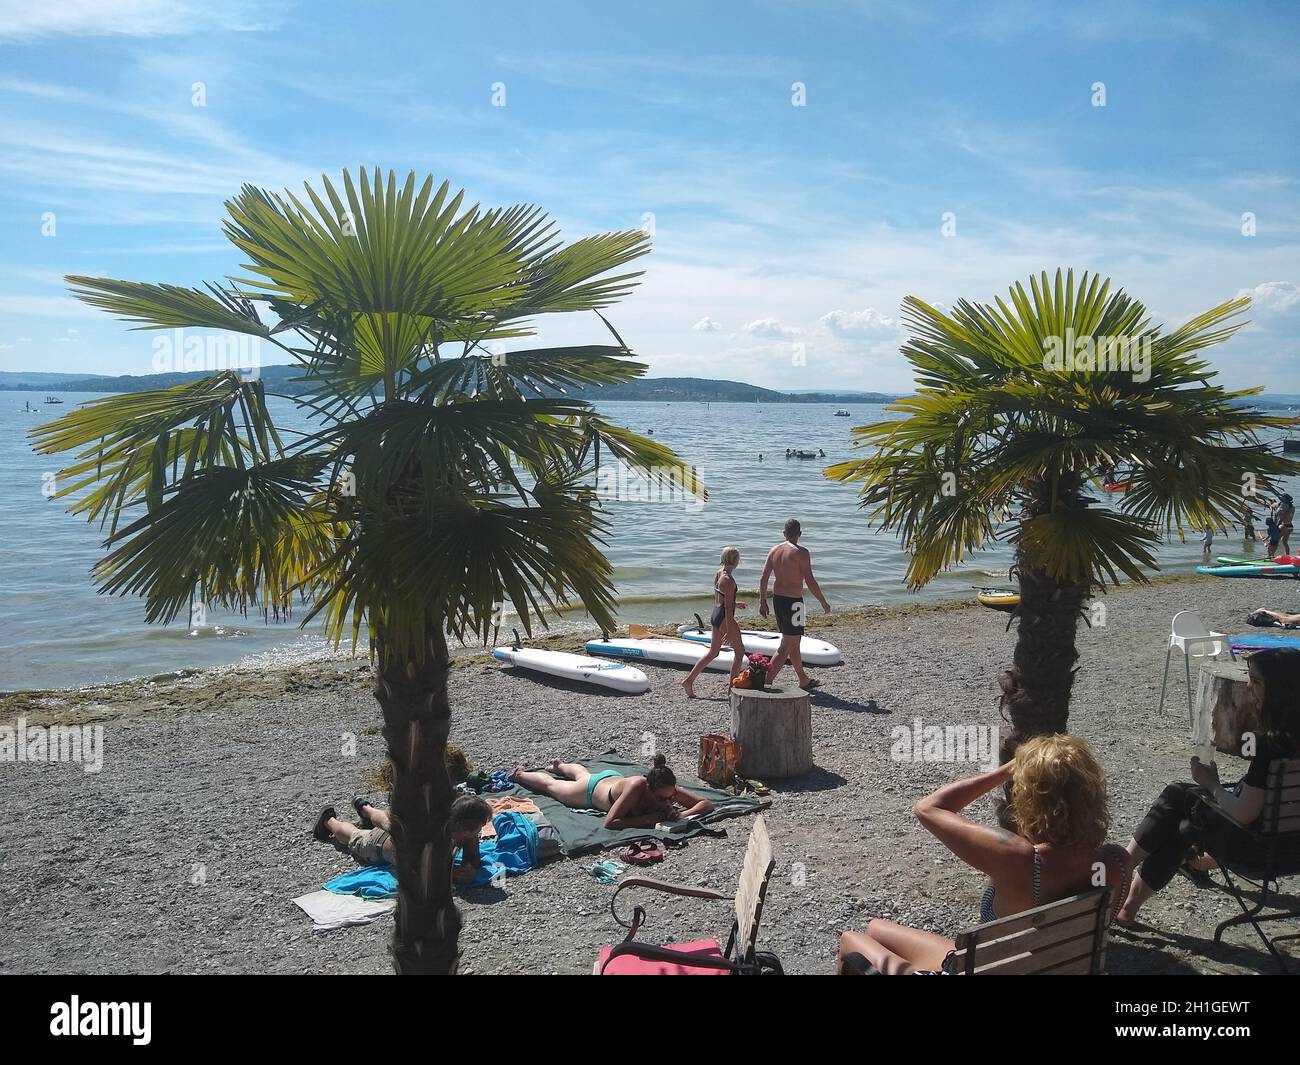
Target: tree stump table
772, 728
1222, 693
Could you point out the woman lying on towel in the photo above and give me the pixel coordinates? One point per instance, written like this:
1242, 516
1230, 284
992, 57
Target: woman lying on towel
631, 802
1058, 800
1186, 817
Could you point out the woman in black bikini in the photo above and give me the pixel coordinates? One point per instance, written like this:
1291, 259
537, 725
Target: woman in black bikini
1058, 798
723, 621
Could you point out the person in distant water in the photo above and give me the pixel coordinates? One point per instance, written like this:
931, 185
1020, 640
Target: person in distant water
1272, 534
760, 456
1059, 849
371, 843
1248, 525
631, 802
1207, 542
723, 621
791, 566
1285, 522
1206, 815
820, 453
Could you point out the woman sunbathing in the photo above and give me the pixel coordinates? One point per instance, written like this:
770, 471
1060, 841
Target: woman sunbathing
632, 802
1058, 800
1184, 817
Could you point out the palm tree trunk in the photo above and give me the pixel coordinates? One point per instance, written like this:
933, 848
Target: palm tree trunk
417, 719
1036, 689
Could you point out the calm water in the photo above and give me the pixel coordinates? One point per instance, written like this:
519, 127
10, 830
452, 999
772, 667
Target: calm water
58, 632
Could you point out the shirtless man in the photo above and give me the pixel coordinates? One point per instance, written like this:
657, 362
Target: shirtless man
791, 565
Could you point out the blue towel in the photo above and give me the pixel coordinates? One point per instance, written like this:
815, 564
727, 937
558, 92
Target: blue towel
370, 882
499, 781
513, 851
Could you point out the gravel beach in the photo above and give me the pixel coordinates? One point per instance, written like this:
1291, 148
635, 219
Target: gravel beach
182, 854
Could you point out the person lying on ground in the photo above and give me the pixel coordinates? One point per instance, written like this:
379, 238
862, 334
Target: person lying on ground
1058, 800
1285, 620
631, 802
371, 842
1180, 822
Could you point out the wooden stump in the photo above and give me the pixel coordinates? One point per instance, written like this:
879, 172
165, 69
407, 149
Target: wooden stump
1222, 692
773, 732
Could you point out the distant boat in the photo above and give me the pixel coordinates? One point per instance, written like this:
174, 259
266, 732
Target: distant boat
1292, 444
53, 399
842, 413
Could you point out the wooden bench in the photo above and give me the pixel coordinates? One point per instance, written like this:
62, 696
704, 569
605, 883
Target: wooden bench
1276, 838
1062, 938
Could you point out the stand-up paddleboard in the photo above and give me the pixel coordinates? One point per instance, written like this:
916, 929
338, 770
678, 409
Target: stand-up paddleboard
1281, 560
757, 642
1256, 641
998, 598
617, 675
657, 649
1259, 569
1115, 486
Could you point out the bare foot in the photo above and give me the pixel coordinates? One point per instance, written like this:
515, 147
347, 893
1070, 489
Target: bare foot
689, 689
514, 773
554, 767
1203, 862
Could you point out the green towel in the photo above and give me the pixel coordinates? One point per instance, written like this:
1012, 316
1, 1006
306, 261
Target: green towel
584, 831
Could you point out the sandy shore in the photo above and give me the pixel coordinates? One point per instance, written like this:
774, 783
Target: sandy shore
182, 854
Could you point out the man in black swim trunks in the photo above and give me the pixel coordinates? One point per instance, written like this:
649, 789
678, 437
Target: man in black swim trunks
791, 566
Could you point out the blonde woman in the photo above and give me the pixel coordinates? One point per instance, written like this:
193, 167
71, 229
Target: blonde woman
1058, 799
723, 621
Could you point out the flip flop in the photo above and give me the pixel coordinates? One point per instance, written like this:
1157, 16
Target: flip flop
642, 852
359, 802
813, 682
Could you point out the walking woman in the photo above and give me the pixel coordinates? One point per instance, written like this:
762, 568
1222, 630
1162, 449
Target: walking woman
723, 621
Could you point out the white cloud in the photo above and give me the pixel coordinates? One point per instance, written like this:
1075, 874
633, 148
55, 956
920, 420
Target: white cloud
1272, 297
705, 325
868, 322
47, 307
770, 329
132, 18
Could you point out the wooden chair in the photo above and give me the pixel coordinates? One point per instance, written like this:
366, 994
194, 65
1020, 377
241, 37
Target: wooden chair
1275, 838
1062, 938
702, 957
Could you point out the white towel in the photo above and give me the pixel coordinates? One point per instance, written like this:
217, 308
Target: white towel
328, 910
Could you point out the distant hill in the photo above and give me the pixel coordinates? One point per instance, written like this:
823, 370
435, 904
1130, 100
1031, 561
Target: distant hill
282, 379
644, 389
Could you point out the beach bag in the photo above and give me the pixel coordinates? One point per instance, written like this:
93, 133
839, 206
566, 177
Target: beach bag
717, 760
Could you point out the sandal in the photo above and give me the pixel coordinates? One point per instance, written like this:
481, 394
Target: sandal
812, 683
359, 802
642, 852
320, 832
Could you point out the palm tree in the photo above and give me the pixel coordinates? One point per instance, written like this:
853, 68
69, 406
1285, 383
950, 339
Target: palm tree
1012, 424
439, 481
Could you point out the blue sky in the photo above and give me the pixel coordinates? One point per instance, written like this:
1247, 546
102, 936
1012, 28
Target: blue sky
778, 229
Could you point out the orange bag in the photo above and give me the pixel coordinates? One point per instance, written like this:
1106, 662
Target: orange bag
718, 758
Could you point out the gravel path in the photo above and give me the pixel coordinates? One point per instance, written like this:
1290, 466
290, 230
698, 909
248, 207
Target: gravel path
181, 855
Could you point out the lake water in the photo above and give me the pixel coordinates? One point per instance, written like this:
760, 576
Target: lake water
58, 632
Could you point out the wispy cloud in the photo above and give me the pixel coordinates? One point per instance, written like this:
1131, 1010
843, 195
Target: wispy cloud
21, 21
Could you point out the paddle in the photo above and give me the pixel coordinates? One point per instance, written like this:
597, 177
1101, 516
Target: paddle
641, 632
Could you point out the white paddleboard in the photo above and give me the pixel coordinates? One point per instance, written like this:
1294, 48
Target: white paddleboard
617, 675
655, 649
813, 652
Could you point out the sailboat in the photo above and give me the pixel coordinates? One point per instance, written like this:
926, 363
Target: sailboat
53, 399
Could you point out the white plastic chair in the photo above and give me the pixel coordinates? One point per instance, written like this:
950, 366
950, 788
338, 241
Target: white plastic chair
1194, 640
